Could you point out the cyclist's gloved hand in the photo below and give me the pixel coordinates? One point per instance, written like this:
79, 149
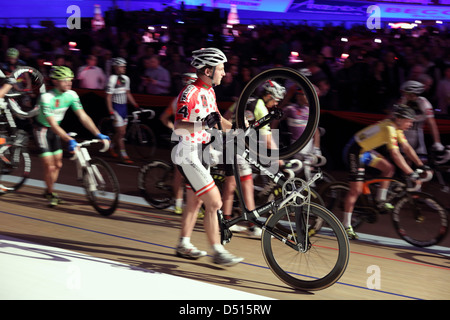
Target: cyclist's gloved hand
413, 176
10, 80
103, 137
212, 119
72, 145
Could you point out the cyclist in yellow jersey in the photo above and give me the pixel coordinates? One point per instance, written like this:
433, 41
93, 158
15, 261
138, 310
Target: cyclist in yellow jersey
367, 147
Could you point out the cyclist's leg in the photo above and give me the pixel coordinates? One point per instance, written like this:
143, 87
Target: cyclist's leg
178, 190
120, 126
50, 152
387, 170
356, 181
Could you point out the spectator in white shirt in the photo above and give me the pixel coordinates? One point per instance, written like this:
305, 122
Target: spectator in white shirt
156, 79
90, 76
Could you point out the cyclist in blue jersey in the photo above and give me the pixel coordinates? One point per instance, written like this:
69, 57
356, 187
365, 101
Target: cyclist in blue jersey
48, 133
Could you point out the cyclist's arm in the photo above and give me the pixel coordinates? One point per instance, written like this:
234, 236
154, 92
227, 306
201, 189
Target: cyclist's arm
5, 89
131, 99
411, 153
434, 130
56, 128
86, 121
400, 161
109, 103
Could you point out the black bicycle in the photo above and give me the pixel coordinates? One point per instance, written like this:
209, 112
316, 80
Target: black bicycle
297, 257
418, 218
140, 139
19, 102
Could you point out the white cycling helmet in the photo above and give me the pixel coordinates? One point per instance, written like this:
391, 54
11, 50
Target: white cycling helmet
412, 86
119, 62
210, 57
277, 91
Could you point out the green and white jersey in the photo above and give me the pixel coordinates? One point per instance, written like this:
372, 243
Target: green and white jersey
56, 103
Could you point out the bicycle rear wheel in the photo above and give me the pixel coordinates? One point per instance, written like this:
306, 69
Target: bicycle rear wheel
103, 192
420, 219
141, 142
15, 167
322, 259
155, 183
290, 79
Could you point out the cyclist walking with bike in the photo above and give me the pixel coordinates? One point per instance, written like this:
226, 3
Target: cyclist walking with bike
197, 112
117, 95
366, 148
48, 133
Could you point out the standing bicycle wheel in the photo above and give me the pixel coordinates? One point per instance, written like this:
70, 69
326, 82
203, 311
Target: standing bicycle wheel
101, 186
15, 167
141, 141
304, 261
420, 219
247, 106
155, 183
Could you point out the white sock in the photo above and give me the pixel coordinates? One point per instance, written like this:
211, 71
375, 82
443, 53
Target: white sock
178, 203
184, 241
218, 248
381, 194
347, 222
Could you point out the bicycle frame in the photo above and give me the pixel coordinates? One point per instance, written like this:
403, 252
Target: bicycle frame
279, 178
82, 157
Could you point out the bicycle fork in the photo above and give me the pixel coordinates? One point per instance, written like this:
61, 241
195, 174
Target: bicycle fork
94, 178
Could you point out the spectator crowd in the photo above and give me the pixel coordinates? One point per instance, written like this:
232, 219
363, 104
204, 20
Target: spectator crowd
355, 69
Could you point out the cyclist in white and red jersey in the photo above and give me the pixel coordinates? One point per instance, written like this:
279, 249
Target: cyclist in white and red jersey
196, 113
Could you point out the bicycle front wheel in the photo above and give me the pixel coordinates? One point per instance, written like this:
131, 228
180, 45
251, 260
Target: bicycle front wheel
420, 219
15, 167
248, 109
101, 186
319, 262
155, 182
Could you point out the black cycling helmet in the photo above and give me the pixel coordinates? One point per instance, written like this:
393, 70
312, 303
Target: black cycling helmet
403, 111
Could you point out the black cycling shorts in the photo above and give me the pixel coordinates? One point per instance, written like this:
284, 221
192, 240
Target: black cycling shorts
48, 142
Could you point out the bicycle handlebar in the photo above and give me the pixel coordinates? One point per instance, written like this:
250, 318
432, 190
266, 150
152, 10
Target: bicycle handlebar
137, 112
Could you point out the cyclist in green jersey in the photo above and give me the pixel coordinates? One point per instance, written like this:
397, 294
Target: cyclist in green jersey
48, 133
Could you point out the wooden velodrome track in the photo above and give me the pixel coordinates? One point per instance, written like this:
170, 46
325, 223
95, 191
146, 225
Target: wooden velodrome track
139, 236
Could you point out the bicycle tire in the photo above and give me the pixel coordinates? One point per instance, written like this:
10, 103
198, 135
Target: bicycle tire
420, 219
333, 195
142, 142
321, 265
37, 87
155, 183
105, 198
14, 174
281, 75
